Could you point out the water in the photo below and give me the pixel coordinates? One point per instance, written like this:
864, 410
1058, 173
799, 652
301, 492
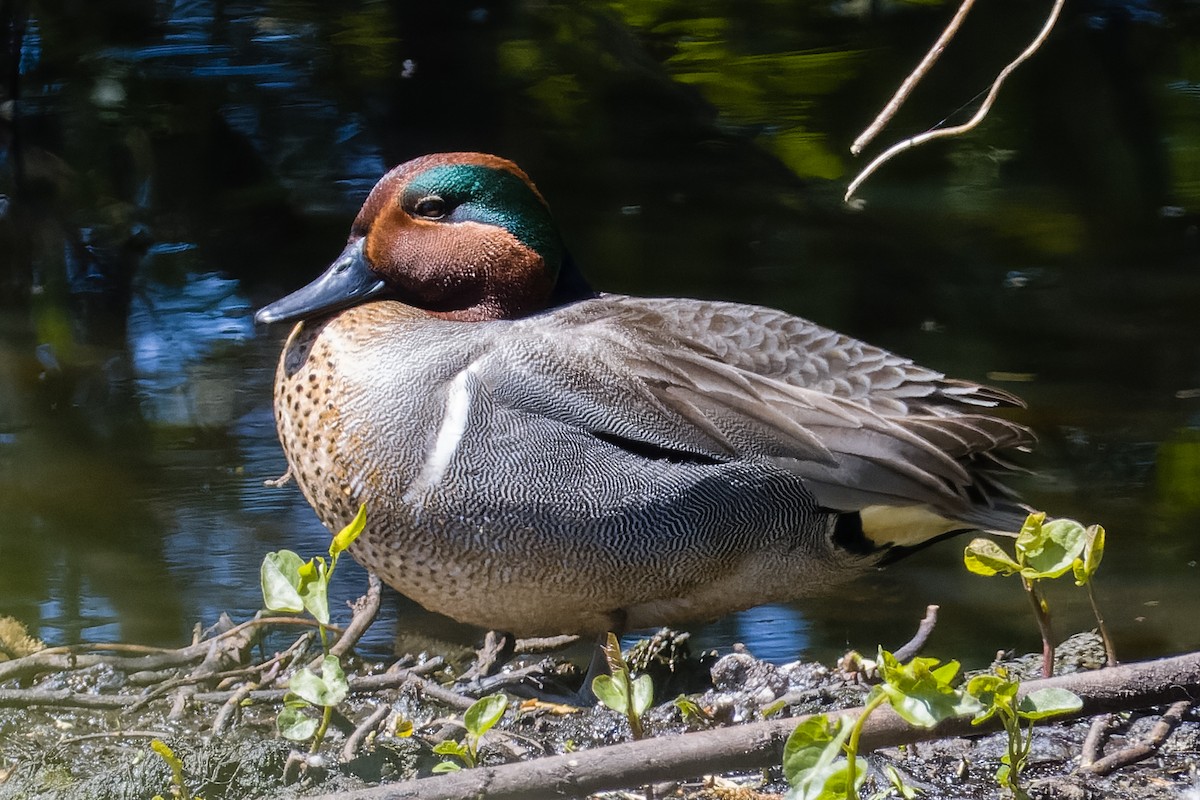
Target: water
179, 164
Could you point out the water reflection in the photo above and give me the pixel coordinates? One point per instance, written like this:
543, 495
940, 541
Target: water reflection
174, 164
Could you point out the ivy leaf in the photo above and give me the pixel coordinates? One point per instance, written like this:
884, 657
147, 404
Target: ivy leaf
1053, 551
484, 713
295, 725
348, 534
314, 589
985, 557
812, 759
919, 693
613, 692
1045, 703
280, 579
327, 689
642, 694
1093, 551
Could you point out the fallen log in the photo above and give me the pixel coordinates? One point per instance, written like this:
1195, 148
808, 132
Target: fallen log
760, 744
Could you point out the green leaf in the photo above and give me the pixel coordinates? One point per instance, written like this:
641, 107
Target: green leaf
1045, 703
328, 689
280, 578
642, 694
295, 725
905, 791
445, 766
1093, 552
484, 713
449, 747
922, 696
314, 589
692, 713
995, 693
1051, 552
349, 533
812, 755
613, 692
985, 557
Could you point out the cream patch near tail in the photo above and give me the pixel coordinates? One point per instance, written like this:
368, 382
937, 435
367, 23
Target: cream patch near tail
904, 526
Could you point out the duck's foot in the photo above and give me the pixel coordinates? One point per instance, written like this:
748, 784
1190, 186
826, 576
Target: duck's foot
282, 480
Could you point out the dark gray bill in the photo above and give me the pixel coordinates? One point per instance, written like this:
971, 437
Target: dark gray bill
349, 280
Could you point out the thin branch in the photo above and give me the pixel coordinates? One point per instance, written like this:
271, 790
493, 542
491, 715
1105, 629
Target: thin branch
1144, 749
912, 80
955, 130
354, 741
914, 645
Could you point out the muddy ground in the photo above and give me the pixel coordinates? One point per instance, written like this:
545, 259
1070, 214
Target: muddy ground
103, 754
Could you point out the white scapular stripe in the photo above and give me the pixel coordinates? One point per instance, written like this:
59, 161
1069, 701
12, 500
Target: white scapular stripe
450, 433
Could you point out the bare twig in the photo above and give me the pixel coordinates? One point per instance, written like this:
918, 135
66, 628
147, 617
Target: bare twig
365, 610
56, 660
354, 741
1093, 743
914, 645
231, 706
544, 644
223, 651
912, 80
1144, 749
271, 664
955, 130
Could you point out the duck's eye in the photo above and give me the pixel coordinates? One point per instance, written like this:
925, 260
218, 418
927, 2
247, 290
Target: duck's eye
432, 207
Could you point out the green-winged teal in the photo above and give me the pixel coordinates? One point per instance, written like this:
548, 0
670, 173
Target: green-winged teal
538, 458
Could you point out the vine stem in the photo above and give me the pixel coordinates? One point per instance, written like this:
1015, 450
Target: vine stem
319, 736
852, 746
1042, 613
1110, 651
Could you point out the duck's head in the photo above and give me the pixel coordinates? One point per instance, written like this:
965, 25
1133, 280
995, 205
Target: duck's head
464, 236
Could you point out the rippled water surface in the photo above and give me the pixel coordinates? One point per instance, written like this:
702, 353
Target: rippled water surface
169, 167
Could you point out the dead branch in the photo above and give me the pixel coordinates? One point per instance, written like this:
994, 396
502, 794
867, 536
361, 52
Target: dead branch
912, 80
759, 745
355, 740
1142, 750
980, 114
60, 659
910, 650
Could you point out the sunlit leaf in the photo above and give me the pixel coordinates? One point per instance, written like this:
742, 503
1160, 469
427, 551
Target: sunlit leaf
1093, 552
484, 713
812, 757
314, 589
995, 693
449, 747
1051, 702
612, 692
985, 557
348, 534
280, 578
1052, 551
295, 725
327, 689
921, 695
445, 766
641, 694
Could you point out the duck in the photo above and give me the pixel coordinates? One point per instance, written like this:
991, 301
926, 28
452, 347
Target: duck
540, 458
